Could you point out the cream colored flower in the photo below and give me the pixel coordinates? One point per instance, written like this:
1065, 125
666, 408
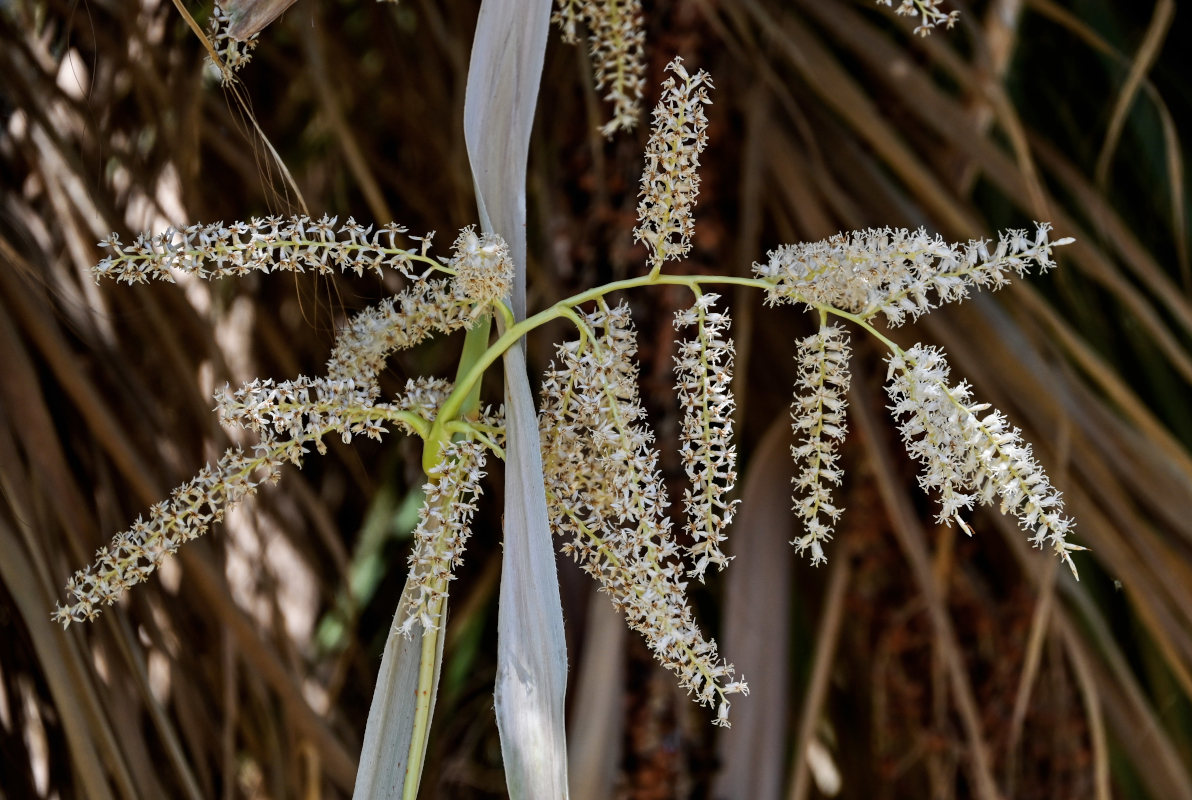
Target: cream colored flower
670, 181
821, 396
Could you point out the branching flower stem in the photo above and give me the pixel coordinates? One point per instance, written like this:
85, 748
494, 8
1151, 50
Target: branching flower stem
469, 374
464, 400
458, 418
453, 405
475, 362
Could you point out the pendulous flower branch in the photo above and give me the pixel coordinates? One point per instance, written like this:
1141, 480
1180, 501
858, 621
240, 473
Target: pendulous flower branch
969, 452
821, 396
616, 42
703, 371
606, 498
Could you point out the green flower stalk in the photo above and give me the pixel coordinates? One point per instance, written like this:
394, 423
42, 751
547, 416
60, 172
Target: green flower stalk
821, 397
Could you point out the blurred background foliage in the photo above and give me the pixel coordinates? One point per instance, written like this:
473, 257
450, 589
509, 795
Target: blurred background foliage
918, 663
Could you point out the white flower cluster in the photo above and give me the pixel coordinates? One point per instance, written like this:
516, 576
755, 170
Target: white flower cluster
928, 11
286, 416
443, 529
300, 409
969, 452
133, 555
898, 273
605, 494
396, 323
289, 415
569, 15
268, 244
617, 39
821, 397
617, 42
423, 397
483, 268
307, 409
670, 182
233, 53
704, 376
